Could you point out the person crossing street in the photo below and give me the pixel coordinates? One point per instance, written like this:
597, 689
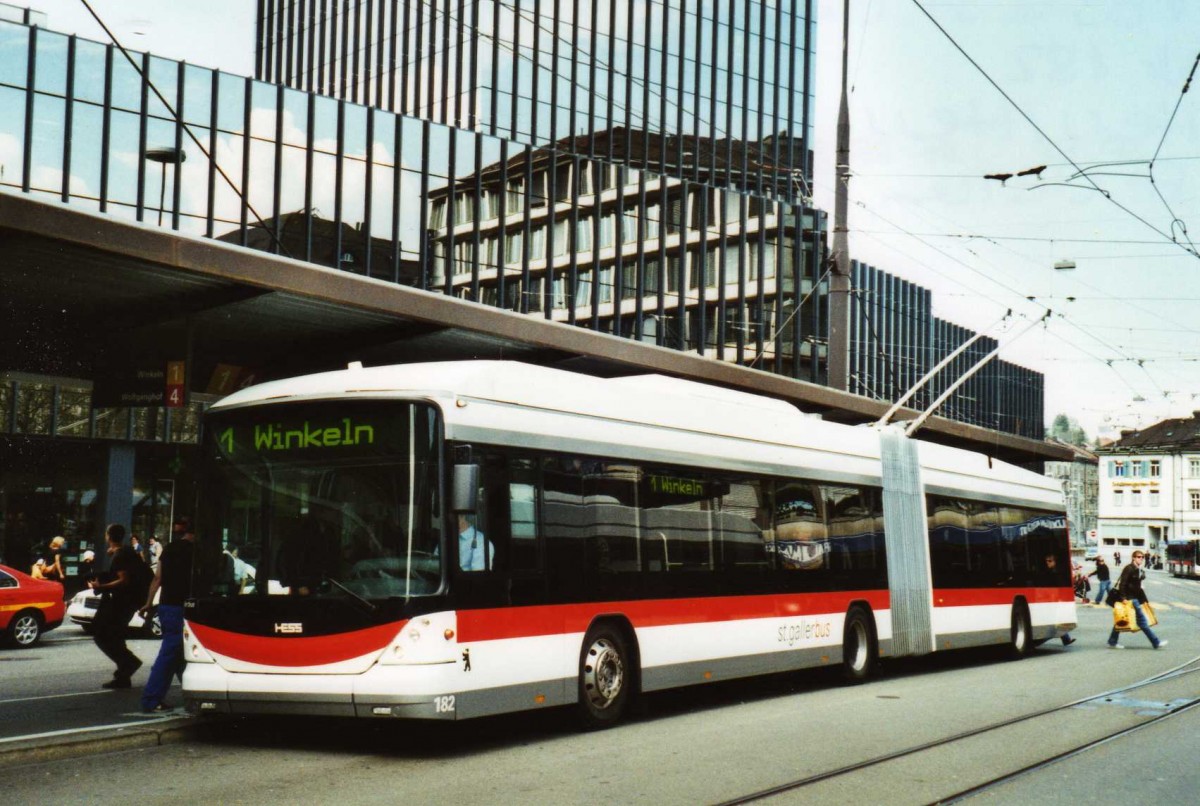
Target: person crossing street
121, 589
1130, 586
1103, 578
173, 578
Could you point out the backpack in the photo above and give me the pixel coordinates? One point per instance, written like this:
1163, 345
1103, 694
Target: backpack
139, 585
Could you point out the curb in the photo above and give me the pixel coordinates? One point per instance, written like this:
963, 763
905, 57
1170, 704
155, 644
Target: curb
35, 751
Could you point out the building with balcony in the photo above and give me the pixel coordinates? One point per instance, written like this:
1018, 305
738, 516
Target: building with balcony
1149, 488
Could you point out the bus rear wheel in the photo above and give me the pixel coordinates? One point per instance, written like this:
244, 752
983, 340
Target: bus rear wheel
858, 647
1021, 633
605, 678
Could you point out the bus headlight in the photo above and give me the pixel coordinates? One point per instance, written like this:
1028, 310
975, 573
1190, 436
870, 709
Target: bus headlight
416, 643
193, 650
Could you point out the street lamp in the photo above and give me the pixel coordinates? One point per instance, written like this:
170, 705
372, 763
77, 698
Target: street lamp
163, 156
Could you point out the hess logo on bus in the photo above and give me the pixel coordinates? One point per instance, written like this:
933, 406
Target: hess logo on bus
288, 627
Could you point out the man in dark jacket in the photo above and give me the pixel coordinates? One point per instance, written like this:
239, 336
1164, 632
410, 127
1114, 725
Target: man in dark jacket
120, 599
1102, 576
1130, 586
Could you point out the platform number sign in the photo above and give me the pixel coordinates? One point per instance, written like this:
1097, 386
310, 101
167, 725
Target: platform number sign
175, 393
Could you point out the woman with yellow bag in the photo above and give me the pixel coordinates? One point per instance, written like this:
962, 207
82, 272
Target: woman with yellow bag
1132, 595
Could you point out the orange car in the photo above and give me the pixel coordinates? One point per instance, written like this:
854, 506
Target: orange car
28, 607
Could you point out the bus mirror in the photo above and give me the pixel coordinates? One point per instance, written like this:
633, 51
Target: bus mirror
466, 488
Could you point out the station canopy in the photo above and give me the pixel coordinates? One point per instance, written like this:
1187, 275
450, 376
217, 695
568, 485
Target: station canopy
96, 297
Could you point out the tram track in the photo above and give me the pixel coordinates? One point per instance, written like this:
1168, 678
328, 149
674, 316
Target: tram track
1187, 668
998, 781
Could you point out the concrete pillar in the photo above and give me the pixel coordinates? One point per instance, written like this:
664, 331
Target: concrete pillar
116, 496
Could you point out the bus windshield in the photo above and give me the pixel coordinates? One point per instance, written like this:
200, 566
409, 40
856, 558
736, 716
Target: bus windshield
324, 499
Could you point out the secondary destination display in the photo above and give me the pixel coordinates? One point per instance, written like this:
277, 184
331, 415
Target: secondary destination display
675, 485
663, 490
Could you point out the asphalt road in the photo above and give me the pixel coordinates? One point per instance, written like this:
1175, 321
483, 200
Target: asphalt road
707, 745
55, 686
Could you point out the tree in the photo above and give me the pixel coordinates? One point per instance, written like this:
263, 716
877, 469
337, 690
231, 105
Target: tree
1067, 429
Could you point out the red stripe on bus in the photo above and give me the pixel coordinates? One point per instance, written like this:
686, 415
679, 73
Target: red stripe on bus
525, 622
298, 650
968, 597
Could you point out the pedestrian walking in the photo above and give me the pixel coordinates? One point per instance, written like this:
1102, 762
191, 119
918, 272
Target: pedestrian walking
1103, 579
122, 589
1130, 586
155, 551
171, 582
1080, 582
1053, 576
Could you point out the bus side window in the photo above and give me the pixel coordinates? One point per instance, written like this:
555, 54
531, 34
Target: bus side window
522, 522
948, 530
984, 545
742, 511
801, 538
852, 544
610, 495
514, 503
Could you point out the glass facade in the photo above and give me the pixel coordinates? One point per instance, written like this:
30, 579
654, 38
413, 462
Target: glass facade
716, 88
588, 167
55, 465
895, 340
635, 168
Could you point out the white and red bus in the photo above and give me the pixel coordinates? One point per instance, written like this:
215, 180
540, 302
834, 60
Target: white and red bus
1183, 557
450, 540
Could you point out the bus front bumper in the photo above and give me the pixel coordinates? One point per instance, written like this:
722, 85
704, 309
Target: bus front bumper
410, 692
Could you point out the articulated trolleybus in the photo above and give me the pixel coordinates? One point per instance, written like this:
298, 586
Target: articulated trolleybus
450, 540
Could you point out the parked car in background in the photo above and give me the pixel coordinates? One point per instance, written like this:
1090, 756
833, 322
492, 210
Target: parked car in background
83, 607
28, 607
1091, 553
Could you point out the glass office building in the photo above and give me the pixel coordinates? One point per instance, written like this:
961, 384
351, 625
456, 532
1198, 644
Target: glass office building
640, 168
895, 340
651, 180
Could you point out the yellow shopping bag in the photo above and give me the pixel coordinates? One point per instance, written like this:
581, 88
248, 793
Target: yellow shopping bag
1148, 612
1124, 617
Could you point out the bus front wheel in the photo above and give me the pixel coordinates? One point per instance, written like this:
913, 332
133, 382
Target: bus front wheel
605, 678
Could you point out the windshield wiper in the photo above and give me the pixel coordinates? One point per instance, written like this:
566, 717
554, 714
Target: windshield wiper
371, 606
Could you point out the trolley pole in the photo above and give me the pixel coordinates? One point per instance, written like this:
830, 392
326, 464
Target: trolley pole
838, 357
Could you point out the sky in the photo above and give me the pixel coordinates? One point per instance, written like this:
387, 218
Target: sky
1094, 92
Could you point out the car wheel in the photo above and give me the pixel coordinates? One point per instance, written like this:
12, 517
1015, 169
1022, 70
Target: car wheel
25, 629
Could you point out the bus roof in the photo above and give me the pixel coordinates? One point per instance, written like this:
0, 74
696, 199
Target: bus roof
689, 422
